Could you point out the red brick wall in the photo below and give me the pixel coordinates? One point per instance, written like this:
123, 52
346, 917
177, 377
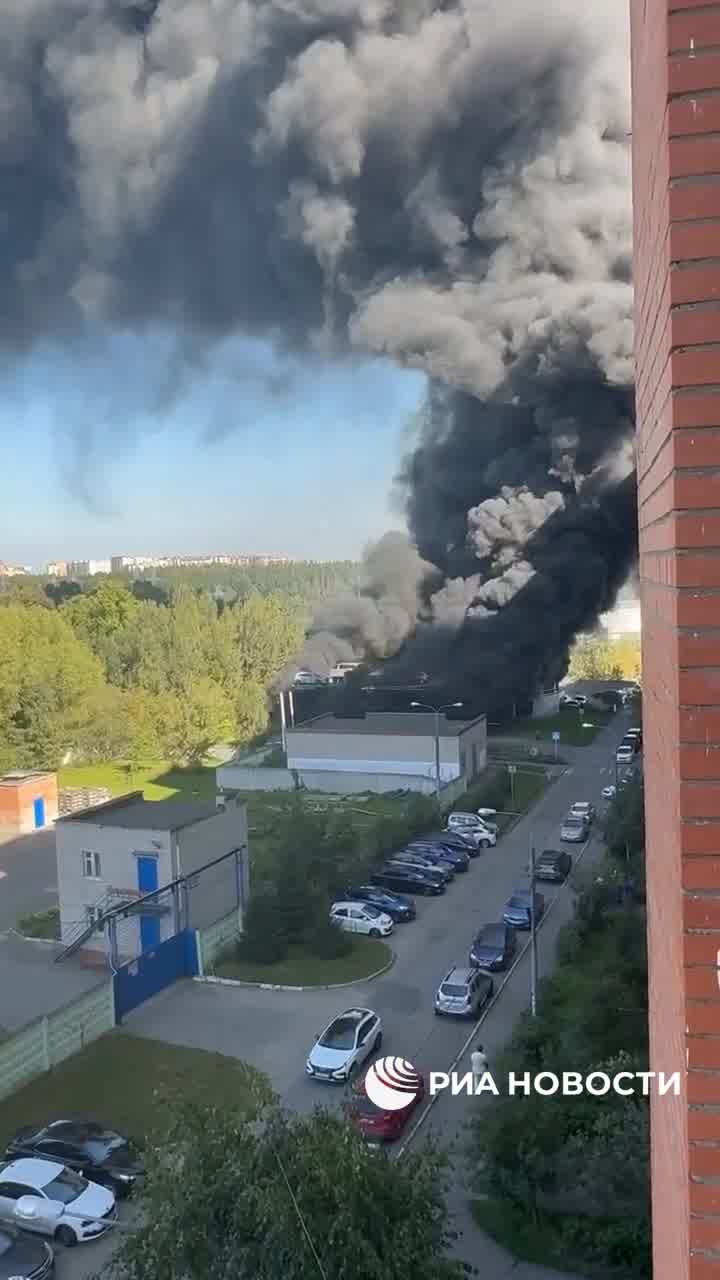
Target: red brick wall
676, 196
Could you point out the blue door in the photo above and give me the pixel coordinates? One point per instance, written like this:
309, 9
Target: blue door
39, 812
147, 872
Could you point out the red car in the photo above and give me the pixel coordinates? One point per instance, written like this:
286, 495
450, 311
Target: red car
375, 1124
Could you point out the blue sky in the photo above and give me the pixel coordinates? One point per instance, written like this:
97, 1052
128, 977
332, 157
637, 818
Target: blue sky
110, 455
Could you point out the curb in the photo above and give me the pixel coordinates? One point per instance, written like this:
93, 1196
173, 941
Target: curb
278, 986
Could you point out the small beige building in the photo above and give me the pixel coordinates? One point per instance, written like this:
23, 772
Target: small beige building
119, 851
387, 743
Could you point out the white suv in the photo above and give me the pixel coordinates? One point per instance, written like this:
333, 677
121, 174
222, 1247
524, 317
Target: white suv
472, 825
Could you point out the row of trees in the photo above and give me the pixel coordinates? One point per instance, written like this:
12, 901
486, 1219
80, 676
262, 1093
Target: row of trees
600, 658
304, 580
576, 1169
106, 676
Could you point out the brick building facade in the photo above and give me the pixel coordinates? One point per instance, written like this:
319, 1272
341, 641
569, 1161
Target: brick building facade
676, 194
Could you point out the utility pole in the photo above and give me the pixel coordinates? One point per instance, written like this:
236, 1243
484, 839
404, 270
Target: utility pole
424, 706
437, 759
533, 933
283, 722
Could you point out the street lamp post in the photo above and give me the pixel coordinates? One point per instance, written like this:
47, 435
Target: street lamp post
436, 712
533, 933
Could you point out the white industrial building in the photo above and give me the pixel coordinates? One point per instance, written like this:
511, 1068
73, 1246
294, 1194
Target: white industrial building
115, 853
389, 743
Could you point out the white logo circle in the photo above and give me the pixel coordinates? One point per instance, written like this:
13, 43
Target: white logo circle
392, 1083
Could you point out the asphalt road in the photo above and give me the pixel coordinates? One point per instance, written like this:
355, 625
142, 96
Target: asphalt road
274, 1029
28, 877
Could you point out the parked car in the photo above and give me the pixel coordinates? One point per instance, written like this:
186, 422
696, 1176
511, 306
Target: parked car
347, 1042
472, 825
518, 909
553, 865
584, 809
51, 1200
458, 859
22, 1258
405, 879
454, 840
394, 905
609, 793
377, 1125
361, 917
493, 948
308, 678
625, 753
440, 870
89, 1148
574, 829
631, 740
463, 992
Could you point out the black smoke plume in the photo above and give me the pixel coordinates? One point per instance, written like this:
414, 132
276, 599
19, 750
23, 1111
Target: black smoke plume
444, 182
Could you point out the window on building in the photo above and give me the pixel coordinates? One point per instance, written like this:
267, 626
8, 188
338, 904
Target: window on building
91, 864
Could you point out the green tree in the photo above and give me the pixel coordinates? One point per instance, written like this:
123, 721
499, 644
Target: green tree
100, 614
46, 673
268, 631
255, 1200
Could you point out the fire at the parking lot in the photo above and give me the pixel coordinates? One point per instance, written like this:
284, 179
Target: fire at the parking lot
568, 1084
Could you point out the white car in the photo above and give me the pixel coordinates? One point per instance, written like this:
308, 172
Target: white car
52, 1200
308, 677
361, 917
625, 755
584, 809
608, 793
473, 826
347, 1042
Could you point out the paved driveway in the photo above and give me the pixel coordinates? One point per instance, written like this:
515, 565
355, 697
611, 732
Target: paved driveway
28, 876
274, 1030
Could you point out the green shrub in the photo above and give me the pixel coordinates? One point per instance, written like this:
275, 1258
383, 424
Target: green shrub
326, 941
264, 939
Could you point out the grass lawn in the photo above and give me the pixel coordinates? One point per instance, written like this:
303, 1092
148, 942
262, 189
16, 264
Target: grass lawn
569, 724
157, 781
119, 1080
527, 786
525, 1241
301, 969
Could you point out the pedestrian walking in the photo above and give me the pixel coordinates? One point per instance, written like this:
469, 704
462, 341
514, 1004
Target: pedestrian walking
479, 1064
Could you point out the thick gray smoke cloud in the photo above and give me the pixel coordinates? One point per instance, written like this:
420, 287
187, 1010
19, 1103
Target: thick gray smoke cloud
442, 181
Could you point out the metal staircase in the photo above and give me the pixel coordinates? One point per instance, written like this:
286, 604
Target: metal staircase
94, 924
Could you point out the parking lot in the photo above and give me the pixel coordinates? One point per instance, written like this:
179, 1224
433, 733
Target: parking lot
274, 1030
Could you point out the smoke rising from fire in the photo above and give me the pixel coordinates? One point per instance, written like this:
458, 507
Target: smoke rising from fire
445, 182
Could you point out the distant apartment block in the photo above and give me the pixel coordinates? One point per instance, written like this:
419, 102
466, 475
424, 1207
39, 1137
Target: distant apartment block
12, 570
87, 568
57, 569
139, 564
624, 618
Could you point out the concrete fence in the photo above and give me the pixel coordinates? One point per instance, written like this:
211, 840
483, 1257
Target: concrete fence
213, 940
238, 778
50, 1040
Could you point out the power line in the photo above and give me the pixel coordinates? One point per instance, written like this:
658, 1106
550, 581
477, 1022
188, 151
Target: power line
301, 1219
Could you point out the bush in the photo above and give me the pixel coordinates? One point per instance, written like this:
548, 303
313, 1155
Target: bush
327, 941
264, 939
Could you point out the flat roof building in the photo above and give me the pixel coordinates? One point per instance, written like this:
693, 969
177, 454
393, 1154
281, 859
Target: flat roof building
388, 742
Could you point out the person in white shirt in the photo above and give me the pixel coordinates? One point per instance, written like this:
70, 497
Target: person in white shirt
479, 1064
